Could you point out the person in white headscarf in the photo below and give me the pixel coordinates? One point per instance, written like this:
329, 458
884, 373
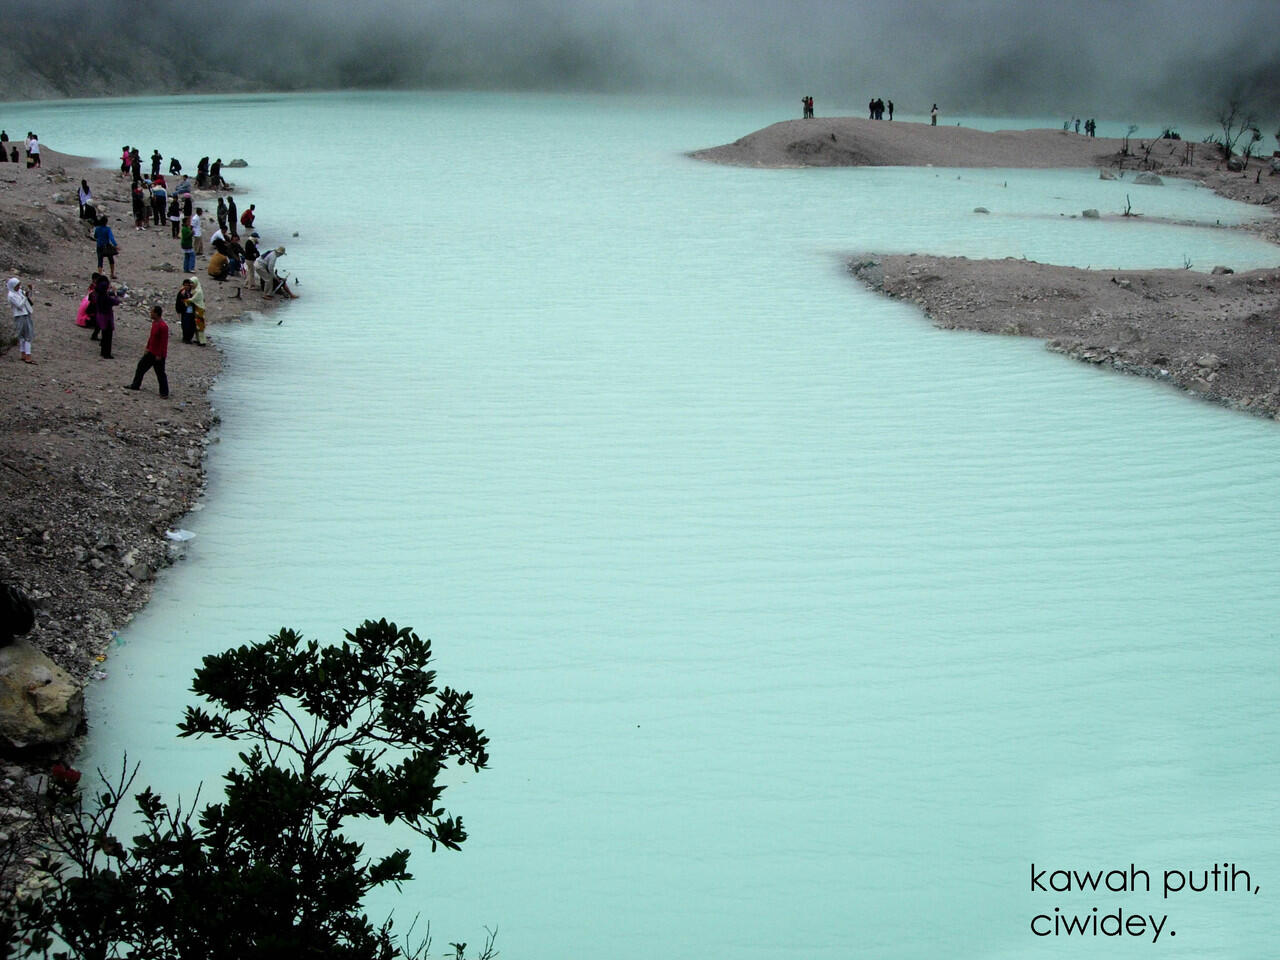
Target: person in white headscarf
23, 325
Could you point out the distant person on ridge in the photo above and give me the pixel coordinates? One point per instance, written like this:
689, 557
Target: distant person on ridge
890, 109
933, 116
154, 356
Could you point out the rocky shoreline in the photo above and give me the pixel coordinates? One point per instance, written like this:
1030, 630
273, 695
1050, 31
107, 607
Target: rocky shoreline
1146, 322
92, 477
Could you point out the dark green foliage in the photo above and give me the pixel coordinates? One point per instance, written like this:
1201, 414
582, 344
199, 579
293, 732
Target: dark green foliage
357, 730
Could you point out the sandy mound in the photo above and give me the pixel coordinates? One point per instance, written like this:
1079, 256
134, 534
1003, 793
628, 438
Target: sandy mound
855, 142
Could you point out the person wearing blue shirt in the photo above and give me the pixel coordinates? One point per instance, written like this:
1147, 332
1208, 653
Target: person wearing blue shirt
106, 241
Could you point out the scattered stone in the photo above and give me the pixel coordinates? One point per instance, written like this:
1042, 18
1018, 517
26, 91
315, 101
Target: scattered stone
1147, 179
1235, 164
981, 210
1091, 214
1209, 361
39, 702
1106, 175
1221, 270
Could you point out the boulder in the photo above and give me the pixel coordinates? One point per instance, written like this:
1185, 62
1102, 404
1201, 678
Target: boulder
40, 704
1090, 214
1220, 270
981, 210
1148, 179
1235, 164
1106, 175
237, 163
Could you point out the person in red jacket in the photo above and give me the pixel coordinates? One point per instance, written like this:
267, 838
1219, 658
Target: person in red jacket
246, 219
157, 350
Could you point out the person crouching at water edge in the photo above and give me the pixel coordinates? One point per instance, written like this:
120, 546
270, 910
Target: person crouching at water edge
23, 325
267, 267
157, 350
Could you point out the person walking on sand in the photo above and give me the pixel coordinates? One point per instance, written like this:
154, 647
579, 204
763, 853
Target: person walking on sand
105, 301
933, 116
107, 247
23, 325
154, 355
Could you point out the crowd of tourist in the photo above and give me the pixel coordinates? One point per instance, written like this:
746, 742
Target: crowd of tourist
241, 259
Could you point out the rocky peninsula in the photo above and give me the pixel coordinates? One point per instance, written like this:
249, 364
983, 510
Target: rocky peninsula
1216, 335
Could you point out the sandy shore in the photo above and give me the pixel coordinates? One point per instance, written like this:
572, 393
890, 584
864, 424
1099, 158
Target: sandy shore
93, 475
856, 142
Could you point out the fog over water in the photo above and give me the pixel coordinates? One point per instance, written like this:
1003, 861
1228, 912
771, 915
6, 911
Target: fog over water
1087, 57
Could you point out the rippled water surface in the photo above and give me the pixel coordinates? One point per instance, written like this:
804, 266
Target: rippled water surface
800, 628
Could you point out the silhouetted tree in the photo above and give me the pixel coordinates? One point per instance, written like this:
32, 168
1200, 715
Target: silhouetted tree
334, 734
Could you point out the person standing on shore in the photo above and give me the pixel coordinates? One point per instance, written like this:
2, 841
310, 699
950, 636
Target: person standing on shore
155, 353
105, 301
186, 241
222, 215
34, 148
159, 200
197, 305
195, 231
250, 261
107, 248
186, 312
85, 195
933, 116
23, 325
175, 216
232, 222
125, 160
890, 109
155, 163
